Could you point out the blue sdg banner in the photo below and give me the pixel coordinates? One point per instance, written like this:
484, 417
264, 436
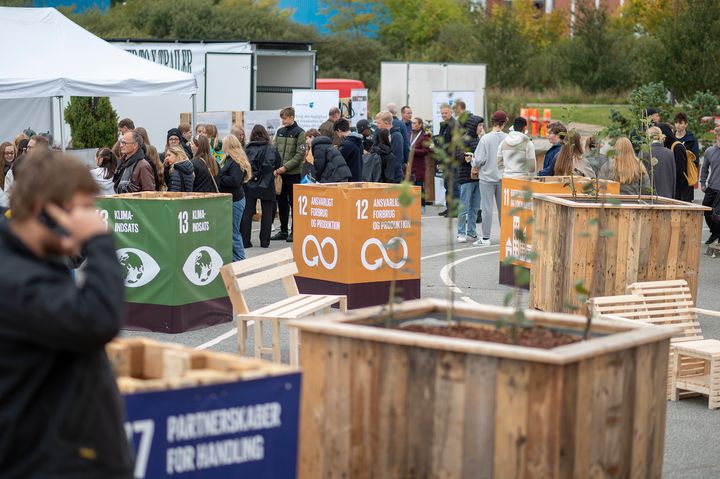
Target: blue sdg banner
237, 430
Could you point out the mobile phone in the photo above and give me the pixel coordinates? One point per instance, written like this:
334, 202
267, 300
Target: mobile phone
51, 224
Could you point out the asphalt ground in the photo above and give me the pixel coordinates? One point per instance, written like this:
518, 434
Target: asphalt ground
470, 274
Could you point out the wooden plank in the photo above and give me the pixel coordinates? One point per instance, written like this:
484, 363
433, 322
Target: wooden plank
422, 367
393, 405
312, 453
479, 425
260, 278
448, 415
511, 418
544, 421
569, 428
364, 410
266, 260
338, 414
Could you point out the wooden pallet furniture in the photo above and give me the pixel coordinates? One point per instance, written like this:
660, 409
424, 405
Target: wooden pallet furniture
259, 271
667, 303
142, 365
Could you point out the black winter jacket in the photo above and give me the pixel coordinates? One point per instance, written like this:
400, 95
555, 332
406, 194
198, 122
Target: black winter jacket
180, 177
61, 412
470, 140
203, 178
330, 166
387, 158
352, 151
230, 179
264, 159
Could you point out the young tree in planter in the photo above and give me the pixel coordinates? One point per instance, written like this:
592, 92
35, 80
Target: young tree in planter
93, 122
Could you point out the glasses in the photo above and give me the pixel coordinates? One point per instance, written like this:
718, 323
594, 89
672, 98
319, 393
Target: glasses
9, 153
123, 142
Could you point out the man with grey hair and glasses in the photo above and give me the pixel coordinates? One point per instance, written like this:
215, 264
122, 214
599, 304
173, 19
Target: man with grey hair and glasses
134, 172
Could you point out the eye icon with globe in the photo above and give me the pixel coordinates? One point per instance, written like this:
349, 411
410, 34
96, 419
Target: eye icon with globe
202, 266
139, 268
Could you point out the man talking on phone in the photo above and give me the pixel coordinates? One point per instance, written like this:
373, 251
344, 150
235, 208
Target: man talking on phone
61, 413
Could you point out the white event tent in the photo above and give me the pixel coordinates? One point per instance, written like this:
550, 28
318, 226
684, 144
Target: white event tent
45, 55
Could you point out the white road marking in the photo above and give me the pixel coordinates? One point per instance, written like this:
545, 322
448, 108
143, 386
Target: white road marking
468, 300
445, 271
457, 250
221, 338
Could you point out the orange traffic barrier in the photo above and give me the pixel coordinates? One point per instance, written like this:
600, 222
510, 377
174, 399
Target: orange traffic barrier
546, 122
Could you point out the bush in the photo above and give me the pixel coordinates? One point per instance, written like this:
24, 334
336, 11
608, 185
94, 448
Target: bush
650, 95
703, 103
93, 122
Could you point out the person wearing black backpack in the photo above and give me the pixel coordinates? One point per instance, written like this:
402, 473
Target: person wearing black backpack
264, 160
381, 160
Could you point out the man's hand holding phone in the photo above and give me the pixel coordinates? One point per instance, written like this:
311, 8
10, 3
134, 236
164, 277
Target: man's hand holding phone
81, 224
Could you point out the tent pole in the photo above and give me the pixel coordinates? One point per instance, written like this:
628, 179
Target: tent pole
193, 120
62, 124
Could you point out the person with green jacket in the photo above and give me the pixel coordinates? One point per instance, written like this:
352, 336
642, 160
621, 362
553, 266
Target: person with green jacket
290, 143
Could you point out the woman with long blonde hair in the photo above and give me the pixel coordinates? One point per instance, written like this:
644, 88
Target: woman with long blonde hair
626, 169
570, 159
179, 171
234, 173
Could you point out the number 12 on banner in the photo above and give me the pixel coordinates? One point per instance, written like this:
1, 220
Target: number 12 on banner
362, 207
302, 205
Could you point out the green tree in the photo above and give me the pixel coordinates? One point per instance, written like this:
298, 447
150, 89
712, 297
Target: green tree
596, 57
92, 120
357, 18
690, 48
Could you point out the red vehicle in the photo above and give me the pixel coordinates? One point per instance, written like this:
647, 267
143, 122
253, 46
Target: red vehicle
343, 85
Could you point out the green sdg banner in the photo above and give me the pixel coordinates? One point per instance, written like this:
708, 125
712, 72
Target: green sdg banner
171, 246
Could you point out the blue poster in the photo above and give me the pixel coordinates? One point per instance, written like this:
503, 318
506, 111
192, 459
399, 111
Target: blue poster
245, 429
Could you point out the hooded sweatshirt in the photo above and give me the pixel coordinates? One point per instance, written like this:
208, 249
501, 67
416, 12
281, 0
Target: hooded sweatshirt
352, 151
107, 187
486, 155
516, 156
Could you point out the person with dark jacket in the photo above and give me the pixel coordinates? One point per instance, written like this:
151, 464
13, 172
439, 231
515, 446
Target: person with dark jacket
363, 127
264, 160
710, 185
134, 172
448, 126
384, 152
686, 137
179, 170
330, 166
399, 127
419, 151
61, 415
351, 148
469, 187
326, 128
176, 138
556, 132
234, 172
683, 191
204, 166
290, 143
384, 121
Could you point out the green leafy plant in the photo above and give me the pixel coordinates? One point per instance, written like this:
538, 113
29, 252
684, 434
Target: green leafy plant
701, 104
93, 122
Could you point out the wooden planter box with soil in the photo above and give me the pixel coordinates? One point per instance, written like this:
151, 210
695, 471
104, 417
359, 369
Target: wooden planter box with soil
651, 240
380, 401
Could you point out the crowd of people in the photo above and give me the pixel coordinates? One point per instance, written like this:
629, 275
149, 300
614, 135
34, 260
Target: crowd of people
260, 170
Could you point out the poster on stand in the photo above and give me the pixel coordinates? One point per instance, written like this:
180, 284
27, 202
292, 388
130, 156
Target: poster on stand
223, 120
270, 119
359, 98
312, 106
449, 97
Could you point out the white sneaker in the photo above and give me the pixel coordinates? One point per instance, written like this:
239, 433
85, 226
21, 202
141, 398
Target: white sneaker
482, 242
461, 239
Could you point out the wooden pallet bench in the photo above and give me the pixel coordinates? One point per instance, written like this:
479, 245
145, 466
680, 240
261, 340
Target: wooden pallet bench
142, 365
670, 303
259, 271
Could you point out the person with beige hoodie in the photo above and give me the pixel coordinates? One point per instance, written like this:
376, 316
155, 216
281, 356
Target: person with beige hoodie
516, 154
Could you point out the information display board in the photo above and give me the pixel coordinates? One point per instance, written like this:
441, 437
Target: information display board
243, 429
312, 106
354, 239
517, 209
171, 247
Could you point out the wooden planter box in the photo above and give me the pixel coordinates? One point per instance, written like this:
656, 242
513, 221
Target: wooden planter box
380, 402
649, 242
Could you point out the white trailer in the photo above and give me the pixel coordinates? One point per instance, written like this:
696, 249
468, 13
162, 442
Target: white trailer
231, 76
414, 83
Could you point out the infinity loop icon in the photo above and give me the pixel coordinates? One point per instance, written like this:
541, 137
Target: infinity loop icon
377, 264
319, 257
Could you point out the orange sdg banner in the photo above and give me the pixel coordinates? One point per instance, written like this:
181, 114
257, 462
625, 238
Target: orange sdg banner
513, 198
355, 233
